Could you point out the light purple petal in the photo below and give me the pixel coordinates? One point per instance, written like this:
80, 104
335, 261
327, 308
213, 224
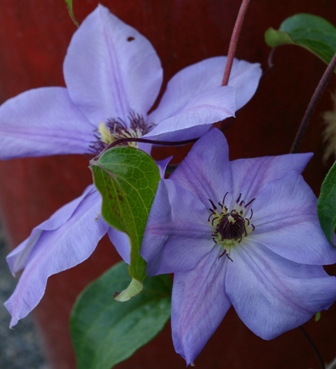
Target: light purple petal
201, 79
162, 165
203, 110
244, 77
17, 259
57, 250
111, 69
121, 242
146, 147
195, 99
206, 171
251, 174
199, 304
178, 234
42, 122
285, 217
190, 133
272, 295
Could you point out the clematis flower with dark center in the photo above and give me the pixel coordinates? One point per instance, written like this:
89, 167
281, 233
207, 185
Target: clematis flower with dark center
113, 77
243, 233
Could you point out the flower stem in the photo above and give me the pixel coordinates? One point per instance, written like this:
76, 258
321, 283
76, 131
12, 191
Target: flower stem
234, 41
312, 104
144, 140
154, 142
313, 346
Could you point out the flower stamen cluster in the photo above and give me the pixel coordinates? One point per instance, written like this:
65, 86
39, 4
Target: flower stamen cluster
230, 225
116, 128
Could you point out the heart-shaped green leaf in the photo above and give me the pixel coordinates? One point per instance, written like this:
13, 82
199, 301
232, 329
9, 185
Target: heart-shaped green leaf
127, 179
105, 332
309, 31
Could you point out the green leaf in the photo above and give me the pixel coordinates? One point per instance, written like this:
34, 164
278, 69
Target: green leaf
326, 205
309, 31
105, 332
71, 13
127, 179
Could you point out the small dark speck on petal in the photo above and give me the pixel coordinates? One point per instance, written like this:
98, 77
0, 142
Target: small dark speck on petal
129, 39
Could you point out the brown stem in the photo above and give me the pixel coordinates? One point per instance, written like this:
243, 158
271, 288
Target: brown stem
234, 41
312, 104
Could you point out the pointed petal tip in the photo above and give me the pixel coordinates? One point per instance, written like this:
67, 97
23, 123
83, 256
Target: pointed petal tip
14, 318
162, 164
13, 323
119, 70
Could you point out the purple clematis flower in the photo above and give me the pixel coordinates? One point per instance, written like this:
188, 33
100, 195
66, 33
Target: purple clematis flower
113, 77
243, 233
